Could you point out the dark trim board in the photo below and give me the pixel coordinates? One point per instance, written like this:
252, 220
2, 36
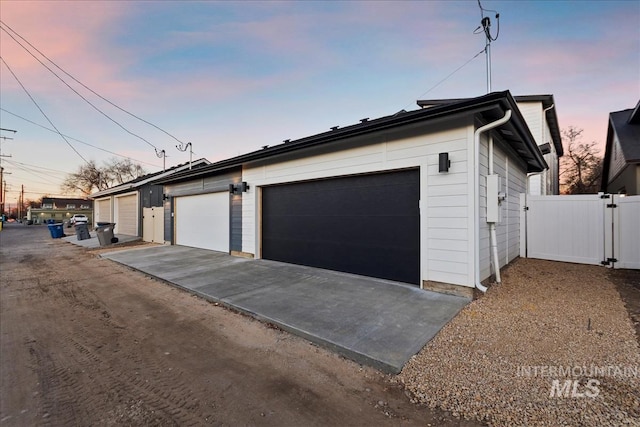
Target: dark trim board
364, 224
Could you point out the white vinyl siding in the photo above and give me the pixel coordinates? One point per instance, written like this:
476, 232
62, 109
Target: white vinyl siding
533, 115
546, 182
514, 176
445, 208
126, 214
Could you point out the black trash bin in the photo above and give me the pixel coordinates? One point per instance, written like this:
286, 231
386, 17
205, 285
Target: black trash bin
105, 233
82, 231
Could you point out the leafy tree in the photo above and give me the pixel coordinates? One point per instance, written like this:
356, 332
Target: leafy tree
90, 177
580, 166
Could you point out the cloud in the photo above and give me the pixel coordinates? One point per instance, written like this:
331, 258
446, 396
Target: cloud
74, 35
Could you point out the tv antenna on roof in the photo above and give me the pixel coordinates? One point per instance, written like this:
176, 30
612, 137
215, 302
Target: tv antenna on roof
485, 27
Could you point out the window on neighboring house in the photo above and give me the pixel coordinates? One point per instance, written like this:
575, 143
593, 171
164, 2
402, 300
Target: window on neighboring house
70, 206
47, 206
85, 207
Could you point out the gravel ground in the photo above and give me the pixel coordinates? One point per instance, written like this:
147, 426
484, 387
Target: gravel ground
494, 362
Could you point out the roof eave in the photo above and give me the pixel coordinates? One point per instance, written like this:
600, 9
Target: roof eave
152, 179
399, 119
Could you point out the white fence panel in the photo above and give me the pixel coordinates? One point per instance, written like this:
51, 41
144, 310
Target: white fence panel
566, 228
626, 232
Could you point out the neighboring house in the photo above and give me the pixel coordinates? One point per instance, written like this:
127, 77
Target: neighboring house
621, 168
540, 114
378, 198
60, 210
124, 204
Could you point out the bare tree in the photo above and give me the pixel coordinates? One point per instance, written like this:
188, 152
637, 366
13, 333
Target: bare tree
90, 177
121, 171
580, 166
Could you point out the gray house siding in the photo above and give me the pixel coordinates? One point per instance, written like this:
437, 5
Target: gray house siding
210, 184
150, 196
235, 243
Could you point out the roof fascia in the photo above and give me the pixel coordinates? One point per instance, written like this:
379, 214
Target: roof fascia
604, 178
157, 176
470, 105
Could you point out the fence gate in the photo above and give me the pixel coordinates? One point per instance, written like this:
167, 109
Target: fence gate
153, 224
626, 232
587, 229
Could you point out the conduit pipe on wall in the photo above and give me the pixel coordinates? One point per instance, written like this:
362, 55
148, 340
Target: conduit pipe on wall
478, 132
492, 225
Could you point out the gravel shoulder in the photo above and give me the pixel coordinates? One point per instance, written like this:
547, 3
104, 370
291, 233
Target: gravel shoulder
498, 359
628, 284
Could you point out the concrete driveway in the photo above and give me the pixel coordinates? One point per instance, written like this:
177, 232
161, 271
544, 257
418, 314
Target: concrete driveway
372, 321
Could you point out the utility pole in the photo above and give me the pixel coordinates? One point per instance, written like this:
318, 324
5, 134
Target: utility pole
3, 189
485, 27
21, 205
189, 147
3, 192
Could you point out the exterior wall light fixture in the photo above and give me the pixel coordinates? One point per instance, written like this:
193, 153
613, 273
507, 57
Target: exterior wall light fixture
240, 188
443, 162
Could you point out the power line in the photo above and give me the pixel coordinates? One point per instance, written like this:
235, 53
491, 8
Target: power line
77, 140
37, 175
446, 78
79, 94
41, 111
85, 86
28, 167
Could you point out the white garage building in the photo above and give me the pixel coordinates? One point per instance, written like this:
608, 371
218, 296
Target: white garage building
124, 204
409, 197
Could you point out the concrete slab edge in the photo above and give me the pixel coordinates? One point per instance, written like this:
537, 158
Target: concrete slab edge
327, 344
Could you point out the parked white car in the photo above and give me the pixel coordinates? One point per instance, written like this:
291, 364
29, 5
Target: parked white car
79, 219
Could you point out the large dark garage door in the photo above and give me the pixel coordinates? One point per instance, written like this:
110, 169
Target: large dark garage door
367, 224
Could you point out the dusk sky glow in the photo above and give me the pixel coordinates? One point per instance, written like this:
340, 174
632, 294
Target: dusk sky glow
231, 77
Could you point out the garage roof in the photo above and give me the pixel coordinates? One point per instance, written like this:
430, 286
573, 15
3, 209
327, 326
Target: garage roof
490, 107
148, 178
547, 104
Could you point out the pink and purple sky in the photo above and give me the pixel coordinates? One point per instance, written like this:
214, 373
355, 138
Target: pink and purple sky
233, 76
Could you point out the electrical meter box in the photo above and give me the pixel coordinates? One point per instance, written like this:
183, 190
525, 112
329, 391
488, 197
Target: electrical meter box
494, 197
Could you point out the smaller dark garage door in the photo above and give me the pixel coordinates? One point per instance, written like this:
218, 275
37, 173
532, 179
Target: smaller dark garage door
366, 224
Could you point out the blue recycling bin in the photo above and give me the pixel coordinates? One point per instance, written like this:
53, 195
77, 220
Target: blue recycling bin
56, 230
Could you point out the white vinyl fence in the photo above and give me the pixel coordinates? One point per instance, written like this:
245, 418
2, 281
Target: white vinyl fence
626, 232
587, 229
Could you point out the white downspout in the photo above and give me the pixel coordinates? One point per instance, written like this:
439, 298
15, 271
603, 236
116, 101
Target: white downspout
476, 177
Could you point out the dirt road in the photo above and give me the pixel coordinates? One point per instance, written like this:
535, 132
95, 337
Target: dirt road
84, 341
